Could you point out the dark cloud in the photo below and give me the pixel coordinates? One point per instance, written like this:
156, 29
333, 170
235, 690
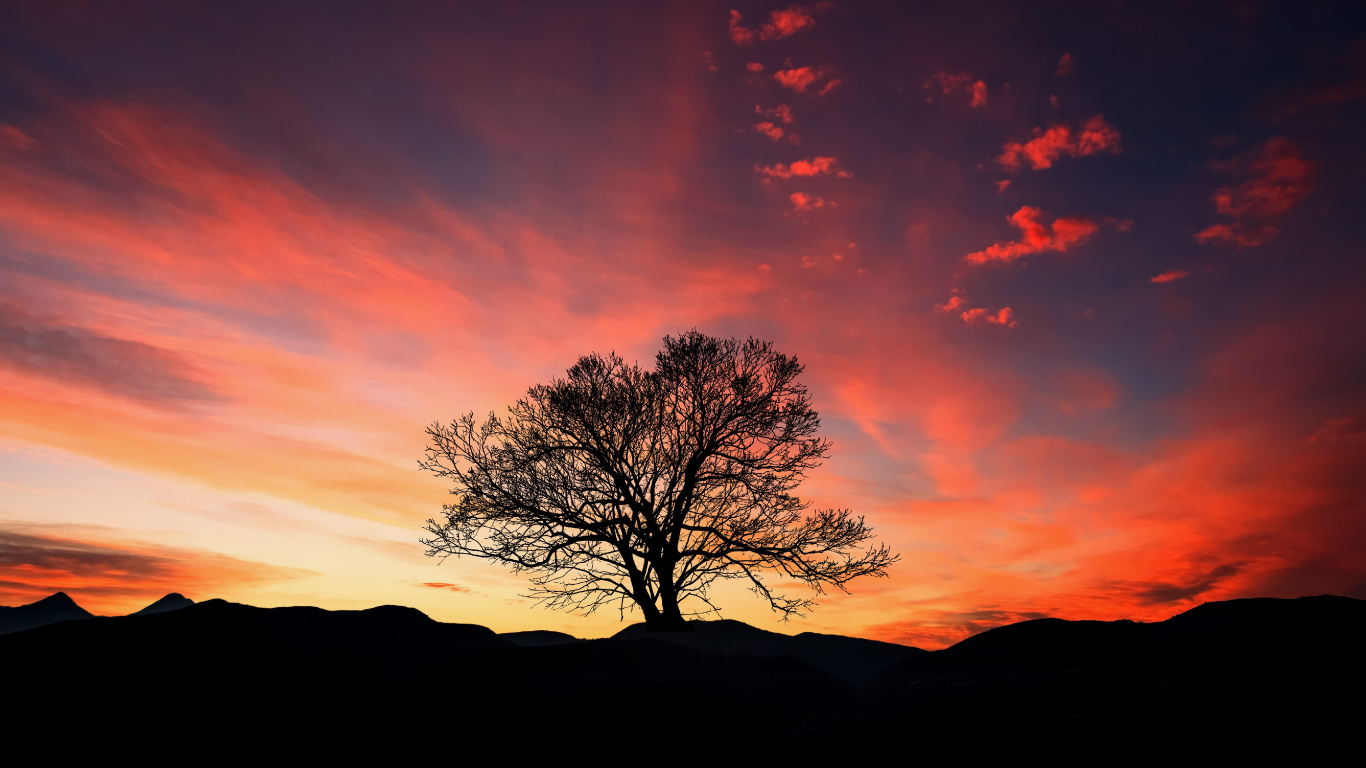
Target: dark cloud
80, 355
1159, 593
101, 575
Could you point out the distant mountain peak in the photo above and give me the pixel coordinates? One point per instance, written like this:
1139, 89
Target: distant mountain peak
172, 602
54, 608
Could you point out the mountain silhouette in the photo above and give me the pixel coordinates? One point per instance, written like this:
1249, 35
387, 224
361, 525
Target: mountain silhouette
851, 659
50, 610
172, 602
1242, 675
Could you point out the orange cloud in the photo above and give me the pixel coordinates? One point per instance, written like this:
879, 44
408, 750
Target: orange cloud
804, 202
780, 24
443, 585
819, 166
770, 130
949, 83
1280, 179
1169, 276
1093, 137
1039, 235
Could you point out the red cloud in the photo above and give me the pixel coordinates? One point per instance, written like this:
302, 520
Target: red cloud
954, 302
770, 130
950, 83
1094, 136
798, 79
819, 166
1281, 179
1065, 64
1169, 276
782, 112
829, 86
738, 34
1003, 317
1038, 236
754, 66
804, 202
782, 23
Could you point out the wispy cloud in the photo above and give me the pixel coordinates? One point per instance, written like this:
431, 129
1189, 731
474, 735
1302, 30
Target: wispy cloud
1279, 180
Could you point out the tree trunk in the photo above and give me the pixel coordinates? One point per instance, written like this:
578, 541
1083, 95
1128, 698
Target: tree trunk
669, 618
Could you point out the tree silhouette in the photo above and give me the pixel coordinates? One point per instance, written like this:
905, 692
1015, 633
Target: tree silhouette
619, 485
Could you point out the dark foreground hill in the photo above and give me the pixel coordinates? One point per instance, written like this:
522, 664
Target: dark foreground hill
1240, 675
851, 659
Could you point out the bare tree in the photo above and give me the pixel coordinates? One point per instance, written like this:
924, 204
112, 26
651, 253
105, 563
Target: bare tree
619, 485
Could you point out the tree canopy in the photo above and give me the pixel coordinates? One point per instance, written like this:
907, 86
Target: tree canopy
617, 485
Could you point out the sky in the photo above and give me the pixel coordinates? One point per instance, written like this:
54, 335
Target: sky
1079, 287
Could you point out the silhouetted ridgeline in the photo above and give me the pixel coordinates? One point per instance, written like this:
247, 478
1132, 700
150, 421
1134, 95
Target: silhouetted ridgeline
1237, 674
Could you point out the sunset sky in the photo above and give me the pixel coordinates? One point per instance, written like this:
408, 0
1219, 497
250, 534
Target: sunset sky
1079, 288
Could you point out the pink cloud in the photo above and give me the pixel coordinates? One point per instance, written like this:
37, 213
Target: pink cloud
949, 83
1280, 179
13, 137
709, 59
1038, 235
804, 202
1171, 275
818, 166
1093, 137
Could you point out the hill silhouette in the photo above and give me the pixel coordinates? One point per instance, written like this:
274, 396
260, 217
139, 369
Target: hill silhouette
539, 637
50, 610
172, 602
1247, 671
851, 659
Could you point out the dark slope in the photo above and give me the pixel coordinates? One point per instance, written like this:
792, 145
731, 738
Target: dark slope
538, 637
50, 610
172, 602
1259, 666
849, 658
